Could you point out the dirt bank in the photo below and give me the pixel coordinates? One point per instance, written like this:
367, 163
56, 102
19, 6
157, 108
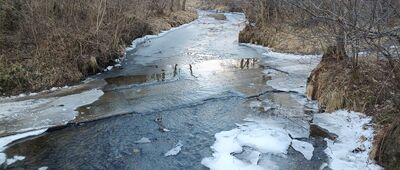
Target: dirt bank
369, 88
55, 43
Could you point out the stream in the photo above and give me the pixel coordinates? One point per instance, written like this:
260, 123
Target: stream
193, 98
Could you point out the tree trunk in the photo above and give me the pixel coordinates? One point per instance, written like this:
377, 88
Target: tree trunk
341, 43
172, 6
184, 5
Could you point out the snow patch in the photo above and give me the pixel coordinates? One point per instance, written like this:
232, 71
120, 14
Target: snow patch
350, 150
14, 159
304, 148
43, 168
175, 150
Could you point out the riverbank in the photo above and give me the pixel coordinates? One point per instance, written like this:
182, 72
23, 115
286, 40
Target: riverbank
52, 44
371, 88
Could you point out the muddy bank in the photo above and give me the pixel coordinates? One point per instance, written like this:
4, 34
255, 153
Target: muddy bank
336, 84
47, 44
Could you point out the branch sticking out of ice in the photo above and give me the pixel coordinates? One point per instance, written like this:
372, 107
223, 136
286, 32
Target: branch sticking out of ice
176, 150
143, 140
304, 148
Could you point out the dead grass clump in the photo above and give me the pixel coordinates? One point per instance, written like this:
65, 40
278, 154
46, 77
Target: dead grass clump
387, 149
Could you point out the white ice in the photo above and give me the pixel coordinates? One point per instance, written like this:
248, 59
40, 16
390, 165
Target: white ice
350, 127
43, 168
3, 158
260, 137
255, 104
4, 141
175, 150
14, 159
143, 140
304, 148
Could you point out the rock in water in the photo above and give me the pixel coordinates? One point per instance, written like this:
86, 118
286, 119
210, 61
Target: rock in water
317, 131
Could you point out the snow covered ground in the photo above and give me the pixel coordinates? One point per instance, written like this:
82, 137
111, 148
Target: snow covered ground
354, 142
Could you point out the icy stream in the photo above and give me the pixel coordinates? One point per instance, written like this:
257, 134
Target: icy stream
190, 98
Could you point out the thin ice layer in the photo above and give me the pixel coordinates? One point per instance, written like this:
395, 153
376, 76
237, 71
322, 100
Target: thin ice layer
26, 115
289, 71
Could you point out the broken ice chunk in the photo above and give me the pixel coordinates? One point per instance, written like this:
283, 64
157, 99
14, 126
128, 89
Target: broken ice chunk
176, 150
304, 148
143, 140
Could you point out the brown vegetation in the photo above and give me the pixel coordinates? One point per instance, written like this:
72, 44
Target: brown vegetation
218, 16
46, 43
222, 5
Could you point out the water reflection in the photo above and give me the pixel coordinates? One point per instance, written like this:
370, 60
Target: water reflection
163, 73
248, 63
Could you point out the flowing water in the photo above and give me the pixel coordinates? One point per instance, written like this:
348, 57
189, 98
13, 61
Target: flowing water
181, 89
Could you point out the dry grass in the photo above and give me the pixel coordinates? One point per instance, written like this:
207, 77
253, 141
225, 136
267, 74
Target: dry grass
47, 43
282, 39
